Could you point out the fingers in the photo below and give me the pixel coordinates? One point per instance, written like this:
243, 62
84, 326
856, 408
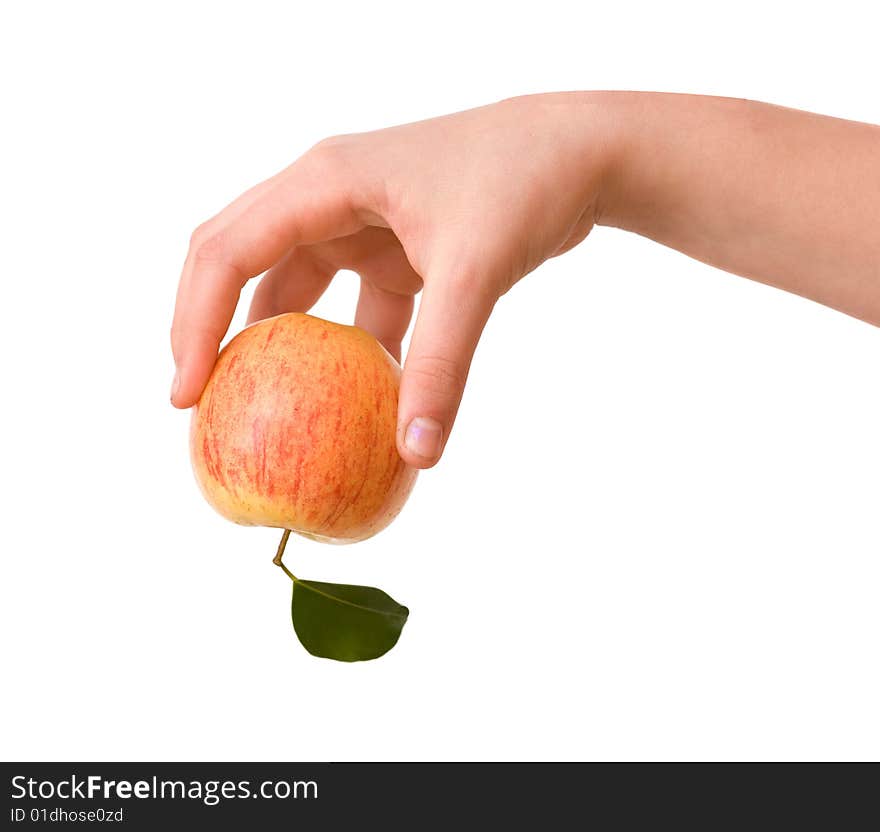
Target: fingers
309, 202
385, 315
294, 284
451, 318
388, 283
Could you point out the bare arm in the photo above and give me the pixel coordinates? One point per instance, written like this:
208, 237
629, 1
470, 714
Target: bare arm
463, 206
782, 196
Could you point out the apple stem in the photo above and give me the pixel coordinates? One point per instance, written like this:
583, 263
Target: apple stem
280, 553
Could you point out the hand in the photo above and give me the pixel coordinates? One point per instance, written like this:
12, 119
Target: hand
463, 206
459, 207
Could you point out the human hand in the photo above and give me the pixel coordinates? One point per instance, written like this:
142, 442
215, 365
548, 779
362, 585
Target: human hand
459, 207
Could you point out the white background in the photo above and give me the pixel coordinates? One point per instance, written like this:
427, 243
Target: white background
654, 534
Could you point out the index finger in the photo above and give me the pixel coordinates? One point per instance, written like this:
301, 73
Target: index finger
309, 202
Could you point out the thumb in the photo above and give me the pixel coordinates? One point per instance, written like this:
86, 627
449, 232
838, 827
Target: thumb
451, 318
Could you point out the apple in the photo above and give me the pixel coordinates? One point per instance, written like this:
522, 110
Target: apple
296, 430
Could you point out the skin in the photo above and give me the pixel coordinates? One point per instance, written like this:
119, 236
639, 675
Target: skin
462, 206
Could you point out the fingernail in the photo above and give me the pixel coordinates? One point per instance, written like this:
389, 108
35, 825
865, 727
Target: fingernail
175, 385
423, 437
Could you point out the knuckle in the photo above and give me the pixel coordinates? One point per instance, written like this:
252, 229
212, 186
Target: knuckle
437, 374
201, 233
335, 158
460, 270
463, 280
328, 152
208, 245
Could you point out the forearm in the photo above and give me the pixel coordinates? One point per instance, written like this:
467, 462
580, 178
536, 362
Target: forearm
782, 196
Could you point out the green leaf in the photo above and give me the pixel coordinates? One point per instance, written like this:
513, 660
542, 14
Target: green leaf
345, 622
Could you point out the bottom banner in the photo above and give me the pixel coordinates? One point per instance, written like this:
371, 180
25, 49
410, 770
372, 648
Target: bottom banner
135, 796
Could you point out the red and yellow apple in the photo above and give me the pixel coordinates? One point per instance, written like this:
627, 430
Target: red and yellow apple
296, 429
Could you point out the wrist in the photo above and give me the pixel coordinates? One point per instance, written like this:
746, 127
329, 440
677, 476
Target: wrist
617, 120
594, 131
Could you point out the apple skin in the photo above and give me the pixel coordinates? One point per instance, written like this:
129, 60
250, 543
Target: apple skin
296, 429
